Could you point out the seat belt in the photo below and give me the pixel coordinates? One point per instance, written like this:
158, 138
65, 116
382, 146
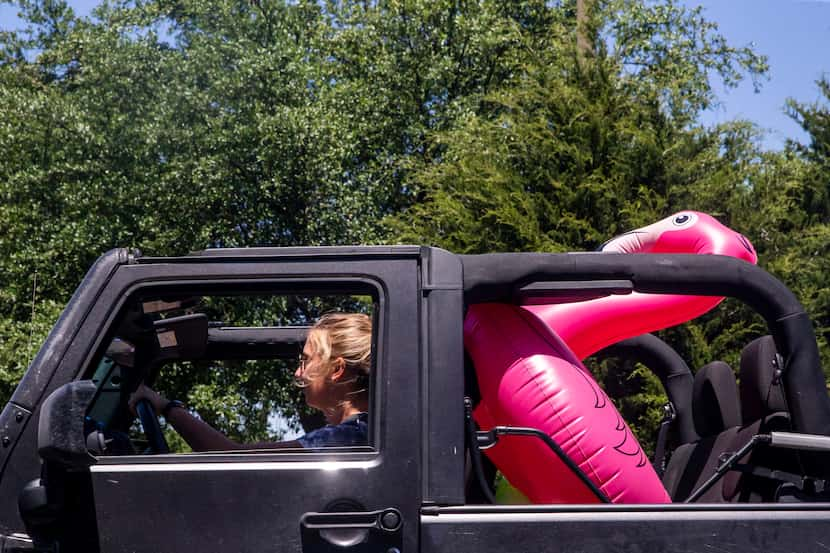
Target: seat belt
470, 431
659, 462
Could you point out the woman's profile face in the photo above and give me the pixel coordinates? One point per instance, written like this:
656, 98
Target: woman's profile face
312, 374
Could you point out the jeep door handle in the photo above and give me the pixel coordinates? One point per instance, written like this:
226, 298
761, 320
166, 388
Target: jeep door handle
388, 519
352, 529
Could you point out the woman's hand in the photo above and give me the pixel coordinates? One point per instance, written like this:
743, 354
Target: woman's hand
143, 392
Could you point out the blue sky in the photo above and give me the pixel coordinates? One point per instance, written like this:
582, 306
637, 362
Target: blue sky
794, 34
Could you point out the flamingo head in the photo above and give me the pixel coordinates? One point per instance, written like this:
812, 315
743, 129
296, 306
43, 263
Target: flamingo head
684, 232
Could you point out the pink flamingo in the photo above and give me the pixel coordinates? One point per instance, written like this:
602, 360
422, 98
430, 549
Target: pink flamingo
529, 372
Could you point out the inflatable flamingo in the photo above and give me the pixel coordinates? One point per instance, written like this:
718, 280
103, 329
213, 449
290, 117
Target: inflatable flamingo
529, 376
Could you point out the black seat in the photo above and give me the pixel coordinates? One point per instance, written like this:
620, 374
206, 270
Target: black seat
715, 410
763, 410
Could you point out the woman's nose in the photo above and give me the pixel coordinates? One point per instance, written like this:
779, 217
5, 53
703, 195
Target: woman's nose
298, 373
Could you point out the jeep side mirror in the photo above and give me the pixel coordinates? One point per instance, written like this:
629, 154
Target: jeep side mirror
60, 432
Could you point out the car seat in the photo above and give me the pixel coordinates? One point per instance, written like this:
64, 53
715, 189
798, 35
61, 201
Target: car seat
763, 409
716, 418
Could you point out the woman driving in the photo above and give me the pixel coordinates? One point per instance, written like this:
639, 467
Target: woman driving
333, 373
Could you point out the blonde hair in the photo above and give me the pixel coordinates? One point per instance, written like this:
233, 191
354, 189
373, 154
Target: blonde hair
345, 335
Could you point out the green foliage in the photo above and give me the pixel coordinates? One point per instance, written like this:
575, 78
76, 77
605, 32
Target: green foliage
21, 340
805, 258
567, 154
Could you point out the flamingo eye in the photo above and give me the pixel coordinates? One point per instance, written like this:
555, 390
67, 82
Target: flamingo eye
681, 220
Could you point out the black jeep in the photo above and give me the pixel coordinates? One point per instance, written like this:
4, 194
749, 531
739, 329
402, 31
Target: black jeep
79, 473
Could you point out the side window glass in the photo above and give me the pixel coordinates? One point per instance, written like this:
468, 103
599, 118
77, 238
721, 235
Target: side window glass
232, 372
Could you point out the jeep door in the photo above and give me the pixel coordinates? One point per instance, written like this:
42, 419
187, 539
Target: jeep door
340, 499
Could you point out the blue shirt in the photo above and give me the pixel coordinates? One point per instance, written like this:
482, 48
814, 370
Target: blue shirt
352, 431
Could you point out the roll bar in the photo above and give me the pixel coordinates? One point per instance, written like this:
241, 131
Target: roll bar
673, 372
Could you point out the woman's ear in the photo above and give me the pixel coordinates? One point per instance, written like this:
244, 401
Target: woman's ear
339, 369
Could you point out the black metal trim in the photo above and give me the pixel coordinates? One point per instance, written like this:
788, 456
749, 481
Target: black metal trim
613, 508
570, 291
290, 253
441, 306
727, 465
490, 437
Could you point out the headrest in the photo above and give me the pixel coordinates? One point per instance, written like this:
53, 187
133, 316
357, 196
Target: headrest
761, 391
715, 399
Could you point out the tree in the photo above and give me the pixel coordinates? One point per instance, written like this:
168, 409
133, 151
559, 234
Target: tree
815, 120
565, 156
806, 255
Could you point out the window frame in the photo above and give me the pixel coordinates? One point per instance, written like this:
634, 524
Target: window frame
273, 285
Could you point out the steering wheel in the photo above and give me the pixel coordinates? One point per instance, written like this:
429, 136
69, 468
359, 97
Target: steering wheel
151, 426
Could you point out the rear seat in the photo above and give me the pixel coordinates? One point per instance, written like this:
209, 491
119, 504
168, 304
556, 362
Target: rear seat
716, 415
763, 409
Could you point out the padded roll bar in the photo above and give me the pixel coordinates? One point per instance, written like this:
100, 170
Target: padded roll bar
673, 372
